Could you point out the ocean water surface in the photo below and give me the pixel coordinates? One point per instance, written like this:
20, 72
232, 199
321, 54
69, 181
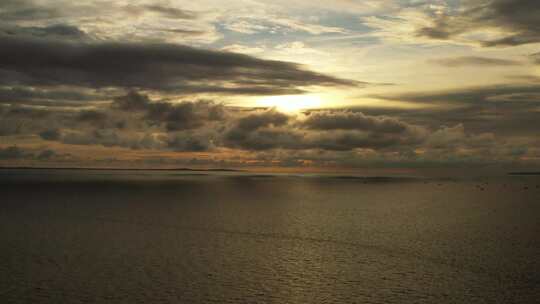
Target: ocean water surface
75, 236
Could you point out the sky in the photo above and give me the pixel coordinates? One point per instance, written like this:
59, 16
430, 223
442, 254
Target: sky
281, 85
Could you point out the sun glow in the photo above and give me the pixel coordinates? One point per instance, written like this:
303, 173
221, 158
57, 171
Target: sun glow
291, 103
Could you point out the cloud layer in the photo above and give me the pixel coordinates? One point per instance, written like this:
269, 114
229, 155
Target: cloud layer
164, 67
336, 137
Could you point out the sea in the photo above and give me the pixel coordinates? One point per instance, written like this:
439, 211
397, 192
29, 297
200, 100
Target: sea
143, 236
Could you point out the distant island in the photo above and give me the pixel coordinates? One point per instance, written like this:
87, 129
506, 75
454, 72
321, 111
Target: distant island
524, 173
122, 169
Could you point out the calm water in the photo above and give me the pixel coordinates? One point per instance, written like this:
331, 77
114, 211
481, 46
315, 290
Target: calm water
165, 237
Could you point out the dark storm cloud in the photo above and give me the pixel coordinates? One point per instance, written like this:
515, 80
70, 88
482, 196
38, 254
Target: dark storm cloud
518, 18
474, 61
166, 67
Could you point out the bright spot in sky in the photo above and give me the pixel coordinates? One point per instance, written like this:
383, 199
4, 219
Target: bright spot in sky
291, 103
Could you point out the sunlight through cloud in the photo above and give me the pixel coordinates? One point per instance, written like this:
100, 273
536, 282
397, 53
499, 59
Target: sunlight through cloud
291, 103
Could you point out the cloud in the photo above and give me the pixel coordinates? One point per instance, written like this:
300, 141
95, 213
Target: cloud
17, 10
176, 117
474, 61
52, 134
269, 23
135, 121
452, 138
338, 130
183, 116
344, 120
261, 131
133, 101
48, 123
471, 95
16, 120
111, 138
487, 23
295, 139
93, 117
264, 119
46, 155
55, 31
342, 135
536, 57
512, 110
516, 20
524, 78
337, 137
190, 142
12, 152
243, 49
170, 12
47, 96
146, 20
447, 136
164, 67
350, 140
181, 32
264, 139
